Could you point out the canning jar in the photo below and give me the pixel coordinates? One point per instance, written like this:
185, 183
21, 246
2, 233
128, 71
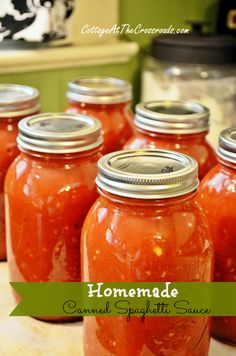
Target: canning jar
174, 125
49, 189
16, 102
107, 99
217, 195
146, 227
196, 66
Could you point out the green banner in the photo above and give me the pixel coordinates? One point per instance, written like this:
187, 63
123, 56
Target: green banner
125, 299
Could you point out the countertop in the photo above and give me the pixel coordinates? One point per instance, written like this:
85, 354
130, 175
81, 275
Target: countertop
28, 60
21, 336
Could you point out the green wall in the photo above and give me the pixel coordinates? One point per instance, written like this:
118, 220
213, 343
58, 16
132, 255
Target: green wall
163, 13
53, 83
150, 13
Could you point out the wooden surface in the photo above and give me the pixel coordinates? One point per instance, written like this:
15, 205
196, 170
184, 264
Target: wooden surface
23, 336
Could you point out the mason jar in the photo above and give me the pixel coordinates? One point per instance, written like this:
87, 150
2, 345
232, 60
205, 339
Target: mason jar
108, 99
16, 102
49, 189
174, 125
217, 196
197, 66
146, 227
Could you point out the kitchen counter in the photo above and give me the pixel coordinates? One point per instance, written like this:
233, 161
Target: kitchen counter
21, 336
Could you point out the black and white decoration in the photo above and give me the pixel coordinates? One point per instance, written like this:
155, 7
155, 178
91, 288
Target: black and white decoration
35, 20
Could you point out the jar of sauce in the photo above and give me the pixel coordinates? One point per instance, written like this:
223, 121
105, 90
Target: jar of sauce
108, 99
217, 195
146, 227
16, 102
49, 189
174, 125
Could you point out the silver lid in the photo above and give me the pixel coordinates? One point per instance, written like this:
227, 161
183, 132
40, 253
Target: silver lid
99, 90
227, 145
59, 133
172, 117
147, 174
18, 100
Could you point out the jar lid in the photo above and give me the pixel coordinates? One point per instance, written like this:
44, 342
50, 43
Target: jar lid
18, 100
227, 145
99, 90
147, 174
59, 133
172, 117
195, 48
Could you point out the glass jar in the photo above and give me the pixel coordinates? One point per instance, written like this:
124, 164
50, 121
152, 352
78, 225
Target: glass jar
107, 99
49, 189
217, 195
16, 102
146, 227
174, 125
198, 67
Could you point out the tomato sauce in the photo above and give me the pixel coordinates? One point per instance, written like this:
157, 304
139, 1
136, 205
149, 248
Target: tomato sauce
16, 102
177, 126
217, 195
107, 99
48, 196
146, 233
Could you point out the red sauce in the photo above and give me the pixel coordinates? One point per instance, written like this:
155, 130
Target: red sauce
194, 145
116, 120
8, 152
47, 199
126, 239
217, 195
16, 103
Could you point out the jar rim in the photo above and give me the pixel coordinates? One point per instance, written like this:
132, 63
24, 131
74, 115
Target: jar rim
18, 100
227, 146
99, 90
147, 174
172, 117
59, 133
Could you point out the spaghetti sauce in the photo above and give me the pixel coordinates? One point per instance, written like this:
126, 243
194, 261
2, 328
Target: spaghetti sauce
146, 227
174, 125
16, 102
49, 189
217, 195
107, 99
